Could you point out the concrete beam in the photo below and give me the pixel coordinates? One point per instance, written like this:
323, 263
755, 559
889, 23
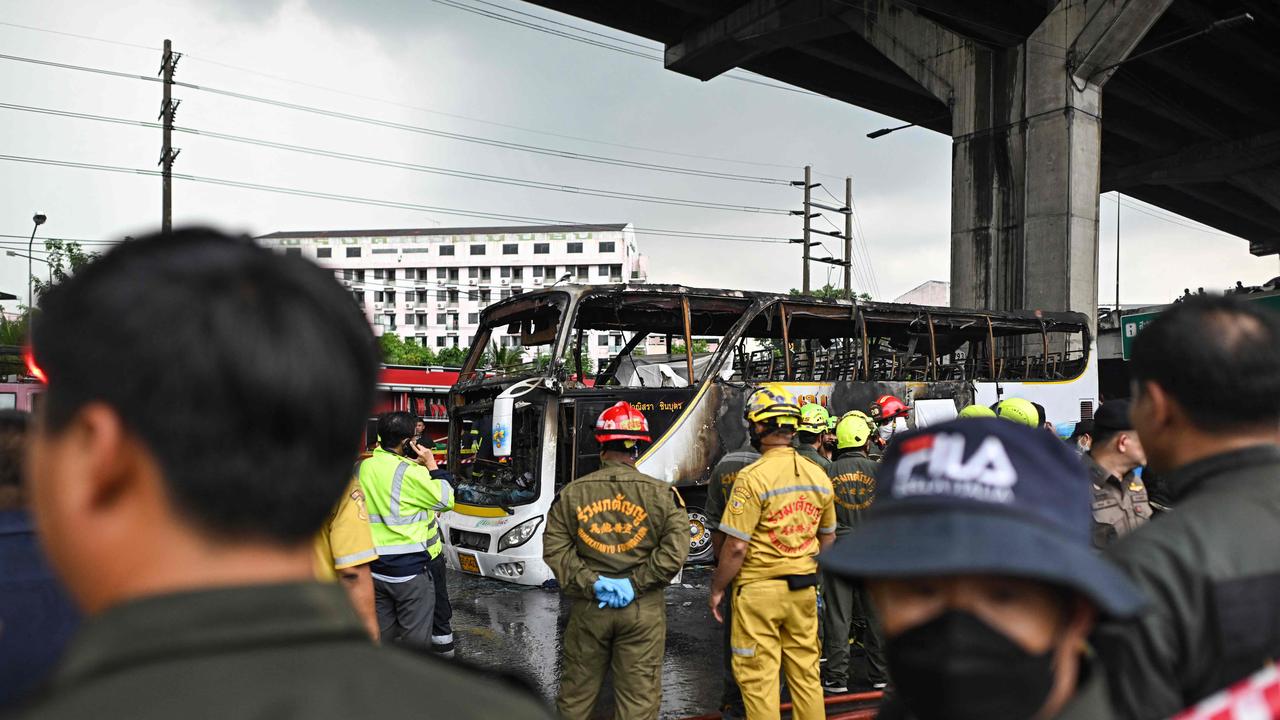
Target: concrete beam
1109, 35
752, 30
1208, 162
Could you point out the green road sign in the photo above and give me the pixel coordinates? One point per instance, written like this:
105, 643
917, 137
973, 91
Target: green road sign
1130, 325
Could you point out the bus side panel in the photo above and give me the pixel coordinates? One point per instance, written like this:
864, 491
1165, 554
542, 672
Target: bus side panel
686, 452
1061, 399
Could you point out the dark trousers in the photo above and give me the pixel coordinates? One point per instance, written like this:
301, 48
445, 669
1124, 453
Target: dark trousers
731, 694
629, 642
845, 607
406, 610
442, 620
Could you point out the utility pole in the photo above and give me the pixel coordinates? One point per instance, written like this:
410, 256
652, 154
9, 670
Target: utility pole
808, 216
848, 238
1117, 257
168, 153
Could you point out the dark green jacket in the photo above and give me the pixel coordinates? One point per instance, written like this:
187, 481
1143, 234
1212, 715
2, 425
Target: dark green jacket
853, 477
617, 522
721, 483
277, 652
809, 453
1211, 569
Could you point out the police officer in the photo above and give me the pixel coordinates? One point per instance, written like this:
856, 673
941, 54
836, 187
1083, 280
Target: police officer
403, 498
1120, 503
844, 604
780, 515
978, 557
720, 485
812, 433
614, 540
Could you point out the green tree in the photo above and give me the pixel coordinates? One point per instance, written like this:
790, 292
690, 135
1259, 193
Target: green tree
451, 357
699, 347
503, 359
396, 351
13, 332
830, 292
65, 258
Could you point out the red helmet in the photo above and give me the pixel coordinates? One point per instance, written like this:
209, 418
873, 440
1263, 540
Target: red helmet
888, 407
622, 422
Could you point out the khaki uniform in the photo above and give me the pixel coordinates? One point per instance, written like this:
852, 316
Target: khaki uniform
779, 506
344, 540
844, 605
1120, 505
615, 522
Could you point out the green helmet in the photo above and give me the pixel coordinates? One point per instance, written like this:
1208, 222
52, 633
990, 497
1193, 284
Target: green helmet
853, 430
814, 419
977, 411
1020, 411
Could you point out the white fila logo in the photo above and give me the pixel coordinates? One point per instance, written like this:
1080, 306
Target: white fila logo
986, 475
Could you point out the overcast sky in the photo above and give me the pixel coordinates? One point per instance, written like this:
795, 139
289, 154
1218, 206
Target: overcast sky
422, 63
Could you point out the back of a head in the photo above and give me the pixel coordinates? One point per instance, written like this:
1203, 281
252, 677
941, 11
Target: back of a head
247, 374
1218, 357
394, 428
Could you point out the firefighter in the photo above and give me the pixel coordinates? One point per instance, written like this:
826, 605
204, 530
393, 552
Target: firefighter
811, 435
890, 415
977, 411
614, 540
1020, 411
780, 515
844, 604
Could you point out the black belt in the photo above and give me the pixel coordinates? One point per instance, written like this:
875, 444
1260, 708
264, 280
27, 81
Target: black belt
799, 582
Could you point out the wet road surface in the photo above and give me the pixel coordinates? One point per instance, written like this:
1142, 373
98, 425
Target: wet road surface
517, 629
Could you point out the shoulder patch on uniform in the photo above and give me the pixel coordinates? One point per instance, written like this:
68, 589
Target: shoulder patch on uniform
738, 500
679, 499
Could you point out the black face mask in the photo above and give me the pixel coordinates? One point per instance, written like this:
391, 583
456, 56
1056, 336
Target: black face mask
956, 667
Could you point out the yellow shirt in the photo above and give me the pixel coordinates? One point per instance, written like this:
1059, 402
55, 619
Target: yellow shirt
344, 540
779, 505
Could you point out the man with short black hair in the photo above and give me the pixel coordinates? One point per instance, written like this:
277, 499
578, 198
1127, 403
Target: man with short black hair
1207, 406
204, 398
1120, 503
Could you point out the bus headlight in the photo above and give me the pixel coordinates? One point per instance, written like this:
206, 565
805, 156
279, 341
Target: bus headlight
519, 535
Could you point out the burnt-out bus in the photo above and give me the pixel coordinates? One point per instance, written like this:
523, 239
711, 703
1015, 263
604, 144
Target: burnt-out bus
518, 434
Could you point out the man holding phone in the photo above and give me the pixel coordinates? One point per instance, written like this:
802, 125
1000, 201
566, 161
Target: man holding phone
404, 489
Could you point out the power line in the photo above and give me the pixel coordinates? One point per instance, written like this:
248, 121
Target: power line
418, 108
380, 202
860, 244
492, 142
1164, 215
435, 170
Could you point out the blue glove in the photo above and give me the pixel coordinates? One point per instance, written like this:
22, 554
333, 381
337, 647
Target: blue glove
614, 592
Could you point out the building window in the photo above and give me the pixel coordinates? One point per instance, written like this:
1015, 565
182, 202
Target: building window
477, 249
537, 271
504, 295
575, 247
441, 273
607, 247
293, 251
324, 252
471, 296
542, 248
473, 318
517, 273
603, 341
473, 272
441, 296
353, 252
615, 272
582, 271
446, 249
441, 318
484, 296
510, 249
377, 274
504, 272
602, 270
359, 296
453, 275
391, 296
485, 274
440, 341
551, 272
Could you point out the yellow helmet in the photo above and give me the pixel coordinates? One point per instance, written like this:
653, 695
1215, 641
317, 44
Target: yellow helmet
977, 411
1020, 411
773, 403
853, 430
814, 419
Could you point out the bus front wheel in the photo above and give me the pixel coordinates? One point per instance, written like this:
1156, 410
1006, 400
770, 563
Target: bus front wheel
700, 550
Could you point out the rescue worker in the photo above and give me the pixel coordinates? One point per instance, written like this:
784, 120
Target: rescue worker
403, 498
890, 416
344, 551
719, 487
1019, 411
977, 556
615, 538
780, 516
1207, 407
1120, 503
845, 605
1082, 436
977, 411
811, 435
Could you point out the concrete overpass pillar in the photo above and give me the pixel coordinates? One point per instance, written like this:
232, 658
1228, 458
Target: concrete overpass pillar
1026, 158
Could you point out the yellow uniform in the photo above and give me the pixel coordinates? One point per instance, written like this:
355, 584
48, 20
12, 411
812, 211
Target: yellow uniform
344, 540
779, 505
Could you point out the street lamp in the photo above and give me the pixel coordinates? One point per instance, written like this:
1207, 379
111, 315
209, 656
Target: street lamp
37, 221
14, 253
